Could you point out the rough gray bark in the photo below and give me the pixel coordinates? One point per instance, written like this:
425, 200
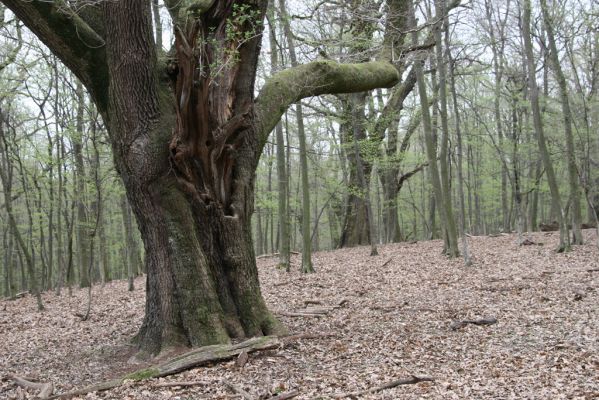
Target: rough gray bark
187, 135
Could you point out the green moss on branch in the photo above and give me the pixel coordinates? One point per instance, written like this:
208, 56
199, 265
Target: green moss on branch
313, 79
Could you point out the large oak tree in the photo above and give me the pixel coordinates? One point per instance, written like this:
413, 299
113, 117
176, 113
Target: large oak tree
187, 133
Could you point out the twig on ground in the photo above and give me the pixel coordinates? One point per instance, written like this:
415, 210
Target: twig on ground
406, 381
300, 314
386, 262
285, 396
312, 301
182, 384
274, 255
455, 325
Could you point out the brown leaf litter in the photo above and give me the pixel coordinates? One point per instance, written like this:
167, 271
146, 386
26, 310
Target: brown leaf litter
373, 328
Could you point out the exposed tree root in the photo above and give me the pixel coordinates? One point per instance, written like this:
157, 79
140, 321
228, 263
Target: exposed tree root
407, 381
183, 362
191, 359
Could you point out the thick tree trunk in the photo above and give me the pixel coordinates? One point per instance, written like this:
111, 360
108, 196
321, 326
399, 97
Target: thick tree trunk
187, 134
191, 188
202, 278
355, 230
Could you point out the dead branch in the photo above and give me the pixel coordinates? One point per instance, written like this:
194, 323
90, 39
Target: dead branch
505, 289
46, 389
191, 359
274, 255
182, 384
494, 235
406, 381
386, 262
18, 295
286, 395
300, 314
455, 325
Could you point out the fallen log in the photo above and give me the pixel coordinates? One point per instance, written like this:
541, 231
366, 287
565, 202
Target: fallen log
406, 381
191, 359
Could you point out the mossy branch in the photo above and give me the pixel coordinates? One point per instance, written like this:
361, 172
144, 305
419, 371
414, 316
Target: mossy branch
68, 36
313, 79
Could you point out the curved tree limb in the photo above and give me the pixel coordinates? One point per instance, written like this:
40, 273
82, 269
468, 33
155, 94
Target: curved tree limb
316, 78
77, 45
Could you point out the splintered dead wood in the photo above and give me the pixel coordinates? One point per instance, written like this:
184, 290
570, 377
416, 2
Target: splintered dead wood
407, 381
191, 359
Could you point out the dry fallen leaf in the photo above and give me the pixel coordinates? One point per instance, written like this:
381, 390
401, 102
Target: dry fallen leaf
393, 323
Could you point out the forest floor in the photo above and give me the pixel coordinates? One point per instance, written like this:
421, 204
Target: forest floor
392, 317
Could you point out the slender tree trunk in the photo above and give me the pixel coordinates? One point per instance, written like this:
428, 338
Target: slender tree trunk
82, 217
429, 142
567, 114
564, 244
451, 237
307, 266
129, 246
358, 119
458, 132
6, 180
